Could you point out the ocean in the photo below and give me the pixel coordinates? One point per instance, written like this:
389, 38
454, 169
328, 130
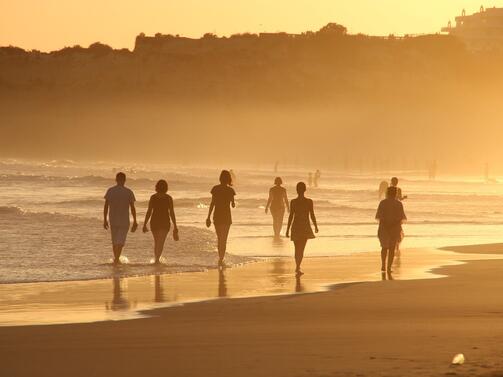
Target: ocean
51, 216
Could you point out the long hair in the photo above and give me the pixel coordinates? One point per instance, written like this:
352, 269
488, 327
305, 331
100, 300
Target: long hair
225, 178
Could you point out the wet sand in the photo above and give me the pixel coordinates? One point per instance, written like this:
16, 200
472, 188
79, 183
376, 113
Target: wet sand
372, 328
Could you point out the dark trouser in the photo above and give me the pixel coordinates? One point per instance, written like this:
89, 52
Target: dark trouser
222, 231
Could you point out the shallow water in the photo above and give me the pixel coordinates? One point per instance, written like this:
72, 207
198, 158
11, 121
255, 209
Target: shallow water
50, 217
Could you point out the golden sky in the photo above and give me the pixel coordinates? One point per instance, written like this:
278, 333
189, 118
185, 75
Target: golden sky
53, 24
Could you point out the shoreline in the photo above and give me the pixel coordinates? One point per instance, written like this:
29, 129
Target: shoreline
387, 328
127, 298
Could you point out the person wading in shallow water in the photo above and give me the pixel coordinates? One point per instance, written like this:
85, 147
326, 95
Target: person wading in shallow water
118, 200
301, 208
222, 197
400, 197
160, 211
391, 215
277, 202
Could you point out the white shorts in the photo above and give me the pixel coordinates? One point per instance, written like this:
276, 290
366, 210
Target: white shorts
119, 235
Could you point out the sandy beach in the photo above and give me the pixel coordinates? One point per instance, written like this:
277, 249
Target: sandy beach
373, 328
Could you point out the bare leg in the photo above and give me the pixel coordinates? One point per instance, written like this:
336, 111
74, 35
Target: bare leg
384, 254
159, 240
277, 221
222, 234
117, 253
391, 256
300, 245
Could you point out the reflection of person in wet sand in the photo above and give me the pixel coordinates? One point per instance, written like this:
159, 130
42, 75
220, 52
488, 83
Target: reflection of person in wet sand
301, 208
118, 301
158, 290
118, 200
277, 202
222, 284
390, 214
222, 197
160, 211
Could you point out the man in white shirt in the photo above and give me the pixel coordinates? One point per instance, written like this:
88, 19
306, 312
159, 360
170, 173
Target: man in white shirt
118, 200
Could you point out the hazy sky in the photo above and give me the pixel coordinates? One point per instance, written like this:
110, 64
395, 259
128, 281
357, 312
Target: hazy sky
53, 24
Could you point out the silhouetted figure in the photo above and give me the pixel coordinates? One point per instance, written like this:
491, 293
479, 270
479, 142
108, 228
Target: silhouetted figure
118, 200
310, 179
432, 171
277, 202
233, 177
301, 208
400, 197
390, 214
222, 197
276, 164
317, 176
383, 187
160, 211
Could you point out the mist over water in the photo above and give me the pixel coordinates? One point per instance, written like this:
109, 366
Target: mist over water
51, 216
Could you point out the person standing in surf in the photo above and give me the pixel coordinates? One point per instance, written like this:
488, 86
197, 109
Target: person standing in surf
118, 201
222, 198
400, 197
277, 202
390, 215
160, 211
301, 208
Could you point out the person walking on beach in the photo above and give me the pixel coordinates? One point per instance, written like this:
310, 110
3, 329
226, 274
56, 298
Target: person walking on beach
277, 202
310, 179
118, 200
317, 176
222, 197
400, 197
301, 208
160, 211
390, 215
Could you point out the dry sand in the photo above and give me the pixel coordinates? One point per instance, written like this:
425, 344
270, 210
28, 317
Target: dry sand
385, 328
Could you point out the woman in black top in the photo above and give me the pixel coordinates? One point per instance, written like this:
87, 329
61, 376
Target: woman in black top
301, 208
160, 210
222, 197
277, 202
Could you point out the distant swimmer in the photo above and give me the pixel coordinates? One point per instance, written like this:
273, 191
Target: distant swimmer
118, 200
391, 215
161, 213
310, 179
222, 198
301, 208
383, 186
277, 202
317, 176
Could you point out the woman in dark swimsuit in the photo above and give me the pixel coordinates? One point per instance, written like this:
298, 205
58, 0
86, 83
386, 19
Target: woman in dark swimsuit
301, 208
160, 210
222, 197
277, 202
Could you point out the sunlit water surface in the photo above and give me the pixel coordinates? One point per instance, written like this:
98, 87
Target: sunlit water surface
51, 217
